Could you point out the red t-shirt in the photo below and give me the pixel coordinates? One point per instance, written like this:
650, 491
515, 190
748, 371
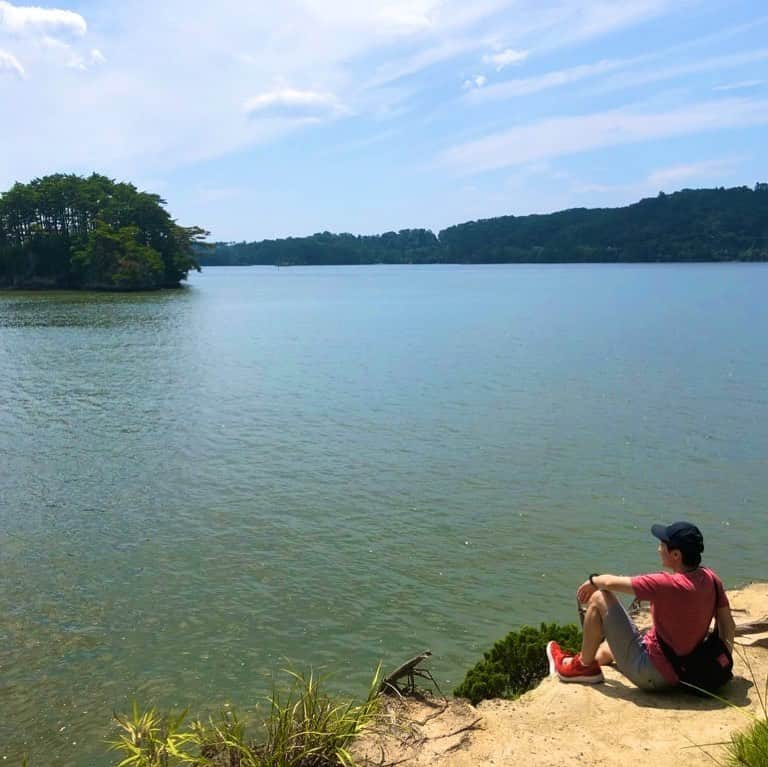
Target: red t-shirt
682, 606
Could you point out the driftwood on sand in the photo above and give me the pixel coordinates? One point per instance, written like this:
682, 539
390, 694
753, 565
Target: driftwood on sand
408, 671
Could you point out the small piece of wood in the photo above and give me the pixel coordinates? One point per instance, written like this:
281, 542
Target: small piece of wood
410, 670
471, 726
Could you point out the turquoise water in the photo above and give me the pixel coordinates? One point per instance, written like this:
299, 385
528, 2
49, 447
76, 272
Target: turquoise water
342, 465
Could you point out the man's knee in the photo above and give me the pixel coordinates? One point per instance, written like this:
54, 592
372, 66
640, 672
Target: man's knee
601, 601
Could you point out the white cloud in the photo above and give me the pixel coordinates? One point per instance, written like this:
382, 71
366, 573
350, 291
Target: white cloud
645, 76
9, 63
290, 101
582, 20
35, 34
405, 17
28, 18
559, 136
715, 172
742, 85
676, 174
505, 58
161, 103
639, 74
154, 118
544, 26
478, 81
63, 53
397, 69
527, 85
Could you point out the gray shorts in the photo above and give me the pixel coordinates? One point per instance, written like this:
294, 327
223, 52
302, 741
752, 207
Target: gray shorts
627, 646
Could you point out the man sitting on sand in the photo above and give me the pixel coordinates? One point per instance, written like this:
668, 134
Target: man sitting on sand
682, 605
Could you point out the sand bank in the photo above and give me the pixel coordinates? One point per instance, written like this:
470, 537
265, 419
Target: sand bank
611, 725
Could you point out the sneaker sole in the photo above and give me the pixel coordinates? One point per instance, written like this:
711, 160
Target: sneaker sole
552, 670
583, 679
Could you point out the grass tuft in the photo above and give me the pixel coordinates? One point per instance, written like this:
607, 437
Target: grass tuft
305, 727
749, 748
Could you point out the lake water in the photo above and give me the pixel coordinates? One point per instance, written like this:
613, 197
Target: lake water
335, 466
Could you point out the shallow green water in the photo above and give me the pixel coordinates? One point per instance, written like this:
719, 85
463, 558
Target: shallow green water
342, 465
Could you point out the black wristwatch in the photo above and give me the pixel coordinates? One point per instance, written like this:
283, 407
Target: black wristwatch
591, 576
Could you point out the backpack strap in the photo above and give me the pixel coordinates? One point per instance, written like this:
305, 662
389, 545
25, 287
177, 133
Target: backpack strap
716, 586
669, 653
717, 597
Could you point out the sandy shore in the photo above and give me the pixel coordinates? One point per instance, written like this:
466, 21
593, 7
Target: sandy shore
610, 725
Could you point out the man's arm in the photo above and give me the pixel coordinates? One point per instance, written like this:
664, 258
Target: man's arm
620, 583
726, 627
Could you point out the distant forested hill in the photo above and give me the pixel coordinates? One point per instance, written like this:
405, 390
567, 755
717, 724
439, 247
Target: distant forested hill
418, 246
690, 225
65, 231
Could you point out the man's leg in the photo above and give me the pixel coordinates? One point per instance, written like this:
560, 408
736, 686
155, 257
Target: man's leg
592, 639
583, 667
628, 649
604, 656
605, 616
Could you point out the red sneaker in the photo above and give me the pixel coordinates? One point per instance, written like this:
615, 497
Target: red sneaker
570, 668
554, 653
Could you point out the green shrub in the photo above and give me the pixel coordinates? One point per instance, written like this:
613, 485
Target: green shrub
516, 663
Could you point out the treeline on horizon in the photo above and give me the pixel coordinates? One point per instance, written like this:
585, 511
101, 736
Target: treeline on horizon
66, 231
689, 225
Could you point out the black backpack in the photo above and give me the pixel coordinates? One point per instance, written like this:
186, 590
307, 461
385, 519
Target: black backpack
709, 666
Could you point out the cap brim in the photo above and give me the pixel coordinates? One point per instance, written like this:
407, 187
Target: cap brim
660, 532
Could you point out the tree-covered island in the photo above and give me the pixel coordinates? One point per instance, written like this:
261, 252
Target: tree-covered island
690, 225
65, 231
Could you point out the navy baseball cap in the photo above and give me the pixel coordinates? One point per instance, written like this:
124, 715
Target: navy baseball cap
680, 535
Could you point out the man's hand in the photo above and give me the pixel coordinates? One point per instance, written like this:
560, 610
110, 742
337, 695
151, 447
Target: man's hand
585, 591
726, 626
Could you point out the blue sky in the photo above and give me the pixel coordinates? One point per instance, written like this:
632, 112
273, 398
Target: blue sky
258, 119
